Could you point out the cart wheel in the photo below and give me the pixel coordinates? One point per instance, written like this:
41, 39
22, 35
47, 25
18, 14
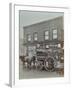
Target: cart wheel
49, 64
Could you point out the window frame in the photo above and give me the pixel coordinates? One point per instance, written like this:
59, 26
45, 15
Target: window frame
53, 34
46, 35
27, 38
34, 36
46, 47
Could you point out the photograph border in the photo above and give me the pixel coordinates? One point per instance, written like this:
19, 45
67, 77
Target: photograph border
14, 47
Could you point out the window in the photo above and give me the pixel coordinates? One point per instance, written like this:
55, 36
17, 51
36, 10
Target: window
38, 45
46, 35
59, 45
47, 46
35, 36
55, 34
31, 51
29, 37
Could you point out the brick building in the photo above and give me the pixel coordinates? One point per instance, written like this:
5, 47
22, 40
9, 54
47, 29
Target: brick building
43, 35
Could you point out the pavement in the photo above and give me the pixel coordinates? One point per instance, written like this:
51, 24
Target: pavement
30, 74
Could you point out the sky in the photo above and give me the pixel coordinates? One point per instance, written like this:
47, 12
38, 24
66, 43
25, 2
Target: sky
31, 17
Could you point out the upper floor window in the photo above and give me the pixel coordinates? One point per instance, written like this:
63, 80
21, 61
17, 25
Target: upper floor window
35, 36
46, 35
55, 34
29, 37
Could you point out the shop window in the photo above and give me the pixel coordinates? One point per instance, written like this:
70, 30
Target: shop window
47, 46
